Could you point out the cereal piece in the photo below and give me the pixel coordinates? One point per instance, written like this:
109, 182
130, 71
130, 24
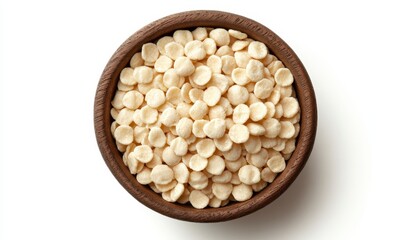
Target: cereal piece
267, 175
143, 153
182, 36
240, 77
169, 117
156, 159
181, 173
224, 102
209, 45
186, 158
289, 146
216, 165
166, 187
242, 192
198, 180
136, 60
173, 95
276, 164
239, 133
140, 133
201, 75
214, 202
200, 33
220, 36
127, 76
215, 63
257, 50
143, 177
224, 143
211, 96
114, 126
156, 137
255, 70
124, 134
184, 198
184, 92
249, 174
176, 192
279, 111
157, 83
155, 98
268, 142
169, 157
198, 110
224, 51
240, 114
197, 128
222, 190
198, 199
220, 81
234, 166
242, 58
270, 110
174, 50
238, 45
162, 42
198, 163
171, 79
183, 109
259, 186
258, 111
225, 177
162, 64
285, 91
258, 159
283, 77
217, 112
161, 174
194, 50
117, 100
125, 116
287, 130
132, 99
237, 34
263, 89
149, 52
253, 145
228, 64
252, 99
121, 147
274, 66
272, 127
215, 128
196, 94
205, 148
234, 153
184, 127
179, 146
290, 107
237, 95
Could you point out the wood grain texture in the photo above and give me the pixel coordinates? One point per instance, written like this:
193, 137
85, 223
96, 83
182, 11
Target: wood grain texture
190, 20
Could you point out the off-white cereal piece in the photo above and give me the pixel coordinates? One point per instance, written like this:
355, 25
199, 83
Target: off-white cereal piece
123, 87
216, 165
133, 99
201, 75
289, 146
222, 191
211, 96
238, 45
234, 153
214, 202
143, 153
121, 147
279, 111
224, 102
191, 139
162, 64
234, 166
285, 91
184, 198
198, 199
229, 123
181, 173
274, 66
155, 161
225, 177
183, 109
272, 127
183, 66
154, 188
287, 156
127, 76
194, 50
224, 143
297, 130
198, 180
148, 115
161, 43
198, 163
136, 60
290, 107
143, 177
221, 36
237, 95
242, 58
137, 119
182, 36
157, 83
268, 142
184, 92
253, 145
205, 148
161, 174
250, 87
124, 134
149, 52
283, 77
220, 81
169, 157
179, 146
200, 33
140, 133
184, 127
276, 164
174, 50
215, 64
166, 187
169, 117
258, 159
259, 186
270, 110
117, 100
156, 137
263, 89
240, 114
148, 64
210, 46
171, 79
198, 110
267, 175
239, 133
228, 64
235, 179
155, 98
186, 158
196, 94
255, 70
176, 192
239, 76
258, 111
249, 174
252, 99
125, 116
287, 130
257, 50
217, 112
173, 95
224, 51
197, 128
237, 34
242, 192
215, 128
114, 126
280, 144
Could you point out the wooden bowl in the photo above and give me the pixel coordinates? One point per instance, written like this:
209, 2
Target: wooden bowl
189, 20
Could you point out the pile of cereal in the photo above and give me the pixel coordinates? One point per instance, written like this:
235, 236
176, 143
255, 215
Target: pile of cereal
205, 116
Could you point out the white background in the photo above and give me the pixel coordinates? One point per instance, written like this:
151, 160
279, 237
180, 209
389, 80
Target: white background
358, 183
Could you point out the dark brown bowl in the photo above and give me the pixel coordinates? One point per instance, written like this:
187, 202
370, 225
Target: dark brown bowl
188, 20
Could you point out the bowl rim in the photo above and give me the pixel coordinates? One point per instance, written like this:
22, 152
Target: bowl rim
187, 20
